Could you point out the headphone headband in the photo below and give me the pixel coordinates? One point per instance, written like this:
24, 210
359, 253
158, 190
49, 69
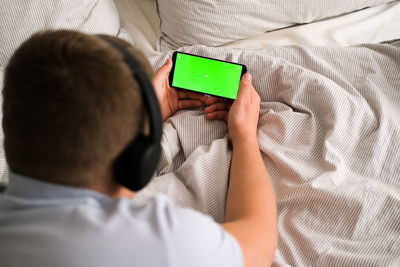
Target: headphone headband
136, 164
149, 96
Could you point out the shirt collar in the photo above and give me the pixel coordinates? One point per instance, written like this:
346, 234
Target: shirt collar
27, 187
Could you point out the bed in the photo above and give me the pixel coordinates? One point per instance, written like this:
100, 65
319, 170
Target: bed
329, 127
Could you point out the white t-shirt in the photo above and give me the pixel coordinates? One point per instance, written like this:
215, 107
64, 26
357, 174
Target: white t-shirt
43, 224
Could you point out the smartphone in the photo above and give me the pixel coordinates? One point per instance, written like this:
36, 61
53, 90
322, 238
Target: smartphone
206, 75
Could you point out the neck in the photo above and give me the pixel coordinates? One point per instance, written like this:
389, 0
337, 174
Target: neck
114, 190
117, 193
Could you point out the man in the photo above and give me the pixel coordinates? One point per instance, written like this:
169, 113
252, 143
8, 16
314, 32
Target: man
71, 107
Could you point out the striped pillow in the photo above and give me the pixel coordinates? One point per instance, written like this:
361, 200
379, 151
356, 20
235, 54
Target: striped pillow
20, 19
216, 22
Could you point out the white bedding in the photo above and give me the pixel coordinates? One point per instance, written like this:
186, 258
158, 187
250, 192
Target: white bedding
371, 25
329, 132
216, 22
337, 181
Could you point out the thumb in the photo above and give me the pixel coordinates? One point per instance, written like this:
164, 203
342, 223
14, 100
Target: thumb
165, 69
246, 78
245, 83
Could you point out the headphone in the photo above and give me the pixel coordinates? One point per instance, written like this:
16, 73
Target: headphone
136, 164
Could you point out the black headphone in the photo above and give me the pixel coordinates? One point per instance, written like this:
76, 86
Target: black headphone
136, 164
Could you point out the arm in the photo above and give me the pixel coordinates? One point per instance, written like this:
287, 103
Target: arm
251, 206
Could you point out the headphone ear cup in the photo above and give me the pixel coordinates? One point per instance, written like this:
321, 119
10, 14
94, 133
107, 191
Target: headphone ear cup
136, 164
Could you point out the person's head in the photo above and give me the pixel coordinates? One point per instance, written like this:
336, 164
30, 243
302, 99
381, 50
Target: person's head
70, 106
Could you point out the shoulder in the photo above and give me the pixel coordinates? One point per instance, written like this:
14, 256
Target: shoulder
179, 236
195, 239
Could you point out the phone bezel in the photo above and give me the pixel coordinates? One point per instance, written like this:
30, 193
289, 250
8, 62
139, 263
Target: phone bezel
171, 74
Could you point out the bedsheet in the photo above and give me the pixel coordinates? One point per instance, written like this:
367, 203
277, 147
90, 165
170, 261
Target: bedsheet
329, 133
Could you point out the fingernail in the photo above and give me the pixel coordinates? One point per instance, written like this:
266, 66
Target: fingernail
247, 76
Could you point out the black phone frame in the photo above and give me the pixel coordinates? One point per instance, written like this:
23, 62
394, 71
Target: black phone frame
171, 74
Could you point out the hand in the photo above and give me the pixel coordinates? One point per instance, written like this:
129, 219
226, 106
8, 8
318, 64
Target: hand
169, 98
217, 108
244, 113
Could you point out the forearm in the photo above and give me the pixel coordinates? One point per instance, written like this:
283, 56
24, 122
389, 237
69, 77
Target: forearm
250, 191
251, 198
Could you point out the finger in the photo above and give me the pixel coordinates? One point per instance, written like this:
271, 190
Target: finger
213, 99
217, 106
164, 71
184, 94
218, 115
189, 103
245, 85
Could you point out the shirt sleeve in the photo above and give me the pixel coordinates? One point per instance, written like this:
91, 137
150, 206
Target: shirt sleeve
200, 241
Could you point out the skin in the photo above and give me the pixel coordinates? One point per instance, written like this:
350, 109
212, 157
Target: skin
250, 206
170, 99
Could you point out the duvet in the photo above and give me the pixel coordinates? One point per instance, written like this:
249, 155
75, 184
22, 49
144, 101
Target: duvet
329, 133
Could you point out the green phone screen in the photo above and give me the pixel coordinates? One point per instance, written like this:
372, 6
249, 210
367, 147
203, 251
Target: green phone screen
207, 76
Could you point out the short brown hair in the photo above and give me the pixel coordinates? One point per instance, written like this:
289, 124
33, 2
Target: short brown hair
70, 105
